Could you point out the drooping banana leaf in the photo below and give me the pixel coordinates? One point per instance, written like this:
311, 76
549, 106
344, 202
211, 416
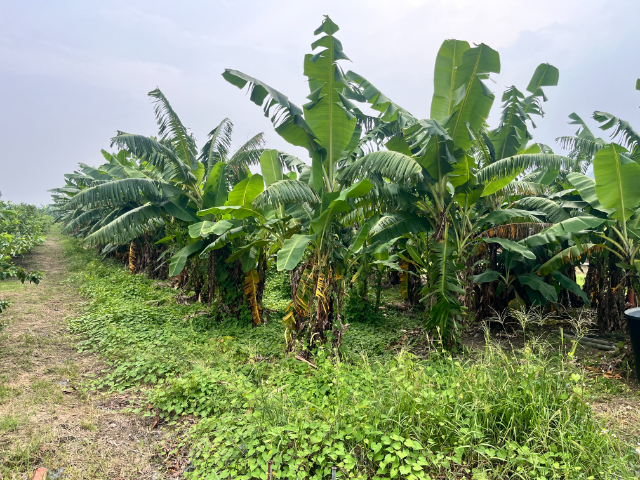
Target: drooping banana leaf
394, 227
554, 212
511, 246
565, 256
286, 117
286, 192
570, 285
128, 226
537, 283
389, 111
518, 163
510, 215
397, 167
587, 188
292, 251
571, 225
179, 259
487, 276
630, 138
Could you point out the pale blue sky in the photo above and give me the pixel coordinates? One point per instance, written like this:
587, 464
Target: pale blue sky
72, 73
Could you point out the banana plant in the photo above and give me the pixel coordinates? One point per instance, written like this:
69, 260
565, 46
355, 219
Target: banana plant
615, 194
259, 216
155, 180
328, 127
325, 125
449, 162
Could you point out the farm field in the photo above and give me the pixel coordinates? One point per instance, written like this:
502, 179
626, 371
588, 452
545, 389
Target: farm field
383, 271
152, 374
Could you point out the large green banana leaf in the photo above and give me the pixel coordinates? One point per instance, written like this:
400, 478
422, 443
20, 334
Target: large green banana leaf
473, 98
587, 189
178, 207
292, 251
444, 78
546, 75
328, 112
215, 188
246, 191
179, 259
617, 181
271, 167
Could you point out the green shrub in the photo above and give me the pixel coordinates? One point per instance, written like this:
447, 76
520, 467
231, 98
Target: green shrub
277, 293
358, 309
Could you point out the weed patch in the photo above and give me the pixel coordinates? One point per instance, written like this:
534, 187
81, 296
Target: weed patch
9, 423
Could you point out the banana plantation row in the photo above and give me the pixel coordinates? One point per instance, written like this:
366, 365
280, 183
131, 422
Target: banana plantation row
471, 219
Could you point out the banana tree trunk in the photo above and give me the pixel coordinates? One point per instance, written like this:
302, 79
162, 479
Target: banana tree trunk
132, 257
611, 298
262, 274
212, 277
467, 281
379, 275
592, 280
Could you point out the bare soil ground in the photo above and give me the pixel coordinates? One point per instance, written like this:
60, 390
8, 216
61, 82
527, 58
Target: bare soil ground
46, 418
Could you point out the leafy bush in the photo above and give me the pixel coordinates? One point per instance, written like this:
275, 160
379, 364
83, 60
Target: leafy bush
359, 309
277, 293
22, 227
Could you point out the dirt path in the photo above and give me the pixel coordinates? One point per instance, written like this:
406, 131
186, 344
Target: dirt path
45, 418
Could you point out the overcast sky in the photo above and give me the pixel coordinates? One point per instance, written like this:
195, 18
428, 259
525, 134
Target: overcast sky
72, 73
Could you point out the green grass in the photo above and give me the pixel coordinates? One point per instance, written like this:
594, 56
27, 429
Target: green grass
9, 423
370, 412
